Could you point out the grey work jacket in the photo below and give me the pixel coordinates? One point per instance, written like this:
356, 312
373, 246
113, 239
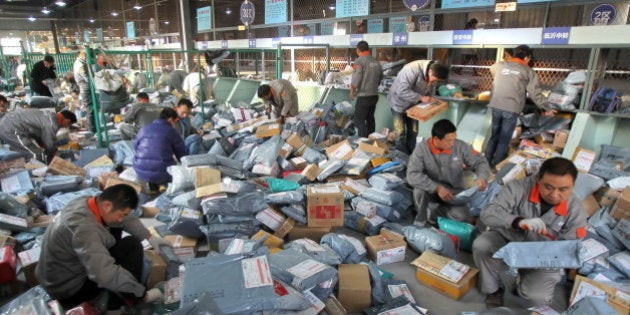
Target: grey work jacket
142, 114
512, 83
520, 198
31, 123
76, 247
79, 69
410, 84
367, 75
427, 168
285, 100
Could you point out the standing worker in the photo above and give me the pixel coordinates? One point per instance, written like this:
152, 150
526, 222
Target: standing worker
415, 83
282, 96
42, 70
366, 78
80, 70
514, 80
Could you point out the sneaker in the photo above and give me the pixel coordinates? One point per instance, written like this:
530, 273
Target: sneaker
495, 299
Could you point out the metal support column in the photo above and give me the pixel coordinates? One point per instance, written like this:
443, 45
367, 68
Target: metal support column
185, 29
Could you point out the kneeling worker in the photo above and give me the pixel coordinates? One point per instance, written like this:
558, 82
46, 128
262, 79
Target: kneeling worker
83, 252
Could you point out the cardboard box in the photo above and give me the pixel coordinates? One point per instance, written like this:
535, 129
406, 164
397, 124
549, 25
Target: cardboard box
111, 181
6, 240
104, 160
355, 291
353, 186
313, 233
215, 189
262, 169
271, 241
183, 247
333, 307
311, 172
606, 196
299, 162
583, 286
296, 142
518, 157
271, 218
386, 248
621, 209
205, 176
41, 221
372, 148
157, 273
28, 260
60, 166
423, 112
583, 159
266, 131
324, 206
590, 205
285, 228
429, 273
340, 151
285, 150
560, 138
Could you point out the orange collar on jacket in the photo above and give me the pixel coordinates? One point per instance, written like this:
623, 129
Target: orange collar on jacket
521, 61
561, 209
435, 150
60, 119
363, 53
94, 208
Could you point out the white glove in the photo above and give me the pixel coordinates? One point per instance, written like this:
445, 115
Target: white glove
533, 224
156, 242
153, 295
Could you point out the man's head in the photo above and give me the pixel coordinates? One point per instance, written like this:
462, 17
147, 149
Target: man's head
362, 46
66, 118
101, 59
169, 115
117, 202
264, 92
444, 134
523, 52
4, 104
437, 72
142, 97
184, 107
556, 180
49, 61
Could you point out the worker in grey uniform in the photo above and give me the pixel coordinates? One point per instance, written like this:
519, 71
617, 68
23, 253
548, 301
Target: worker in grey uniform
436, 170
366, 77
533, 209
80, 71
83, 251
139, 115
415, 83
514, 80
33, 131
282, 96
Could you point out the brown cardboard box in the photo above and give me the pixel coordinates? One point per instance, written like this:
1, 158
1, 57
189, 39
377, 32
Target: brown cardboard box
41, 221
285, 228
296, 142
621, 209
353, 186
101, 161
6, 240
560, 139
60, 166
205, 176
215, 189
355, 291
299, 162
590, 205
149, 210
615, 298
111, 181
583, 159
313, 233
378, 161
29, 259
266, 131
428, 273
157, 273
271, 241
285, 150
543, 138
372, 148
333, 307
424, 113
518, 157
183, 247
385, 249
606, 196
324, 206
311, 172
341, 151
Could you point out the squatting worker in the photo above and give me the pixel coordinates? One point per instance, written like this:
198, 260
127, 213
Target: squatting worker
435, 171
533, 209
366, 77
282, 96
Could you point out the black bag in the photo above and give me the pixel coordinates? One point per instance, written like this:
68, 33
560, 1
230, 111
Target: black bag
42, 102
115, 100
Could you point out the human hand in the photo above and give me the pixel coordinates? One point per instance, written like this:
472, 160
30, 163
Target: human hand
537, 225
426, 99
152, 295
156, 242
200, 132
552, 112
482, 184
445, 193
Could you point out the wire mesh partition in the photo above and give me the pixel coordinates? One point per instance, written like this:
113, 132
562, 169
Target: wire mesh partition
63, 63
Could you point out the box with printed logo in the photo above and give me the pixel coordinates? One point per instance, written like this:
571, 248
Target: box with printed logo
324, 206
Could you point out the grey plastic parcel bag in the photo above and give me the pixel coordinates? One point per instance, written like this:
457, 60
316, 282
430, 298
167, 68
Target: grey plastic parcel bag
421, 239
321, 253
187, 200
590, 305
552, 254
285, 197
389, 198
186, 222
123, 153
361, 223
242, 204
183, 179
215, 232
12, 207
350, 249
266, 153
300, 270
57, 202
384, 211
199, 160
622, 232
289, 298
53, 184
621, 261
400, 304
330, 168
385, 181
295, 212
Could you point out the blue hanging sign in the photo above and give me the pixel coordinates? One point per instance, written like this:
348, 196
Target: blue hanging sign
99, 34
251, 43
603, 14
556, 35
414, 5
462, 37
131, 30
355, 39
275, 11
204, 20
348, 8
450, 4
400, 38
248, 12
204, 45
397, 24
86, 36
375, 26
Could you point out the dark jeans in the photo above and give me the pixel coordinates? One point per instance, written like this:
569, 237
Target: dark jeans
407, 130
364, 115
503, 124
128, 253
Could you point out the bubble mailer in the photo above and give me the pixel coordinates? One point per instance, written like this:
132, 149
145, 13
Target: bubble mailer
552, 254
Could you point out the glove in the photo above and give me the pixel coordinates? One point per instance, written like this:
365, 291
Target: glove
156, 242
533, 224
153, 295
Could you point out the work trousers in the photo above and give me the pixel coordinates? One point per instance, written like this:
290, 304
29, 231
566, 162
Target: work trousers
429, 207
407, 131
503, 124
364, 115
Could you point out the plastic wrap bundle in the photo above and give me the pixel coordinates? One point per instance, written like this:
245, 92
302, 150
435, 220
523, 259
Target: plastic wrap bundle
466, 232
10, 206
182, 179
360, 223
386, 181
350, 249
223, 219
312, 156
199, 160
238, 292
590, 305
266, 153
57, 202
279, 185
33, 301
242, 246
321, 253
586, 184
421, 239
232, 172
187, 200
389, 198
329, 168
620, 261
607, 238
300, 270
243, 152
123, 153
482, 198
325, 289
229, 163
295, 212
202, 305
557, 254
249, 203
400, 304
186, 222
386, 212
592, 269
216, 232
285, 197
53, 184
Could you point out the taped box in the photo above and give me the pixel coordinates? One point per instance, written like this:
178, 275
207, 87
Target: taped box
606, 196
313, 233
324, 206
285, 228
266, 131
445, 275
621, 209
616, 298
270, 241
60, 166
157, 273
183, 247
271, 218
386, 248
583, 159
424, 112
205, 176
340, 151
355, 291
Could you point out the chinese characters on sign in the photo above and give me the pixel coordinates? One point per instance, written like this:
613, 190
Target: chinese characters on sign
252, 43
347, 8
224, 44
275, 11
400, 39
462, 37
556, 35
131, 31
204, 22
355, 39
603, 14
308, 40
397, 24
375, 26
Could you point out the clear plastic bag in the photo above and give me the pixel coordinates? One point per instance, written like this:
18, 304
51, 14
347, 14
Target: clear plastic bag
182, 179
33, 301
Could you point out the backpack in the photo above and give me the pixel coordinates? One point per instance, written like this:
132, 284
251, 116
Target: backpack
605, 100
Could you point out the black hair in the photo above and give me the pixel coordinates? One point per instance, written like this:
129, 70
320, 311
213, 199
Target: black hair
69, 115
508, 51
363, 46
263, 90
168, 113
442, 127
471, 24
558, 166
522, 52
3, 99
142, 95
49, 58
185, 102
122, 196
440, 71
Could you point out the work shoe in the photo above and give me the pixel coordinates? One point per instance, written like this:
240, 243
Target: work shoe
495, 299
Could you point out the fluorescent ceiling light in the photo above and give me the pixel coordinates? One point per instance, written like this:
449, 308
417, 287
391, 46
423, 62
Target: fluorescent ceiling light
114, 13
167, 22
91, 20
137, 6
228, 11
60, 3
45, 10
32, 19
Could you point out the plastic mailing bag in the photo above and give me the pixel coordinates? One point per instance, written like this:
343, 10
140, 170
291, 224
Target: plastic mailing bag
278, 185
361, 223
621, 261
57, 202
552, 254
242, 153
285, 197
203, 305
222, 219
350, 249
33, 301
288, 298
399, 305
53, 184
586, 184
266, 153
215, 232
389, 198
187, 200
321, 253
312, 156
186, 222
386, 181
622, 232
466, 232
383, 211
421, 239
295, 212
300, 270
591, 305
10, 206
182, 179
123, 153
242, 204
230, 163
330, 168
199, 160
479, 200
